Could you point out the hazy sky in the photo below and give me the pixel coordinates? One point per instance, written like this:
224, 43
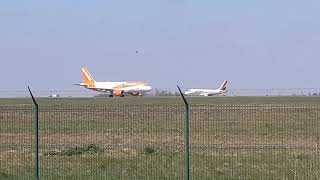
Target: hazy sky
253, 44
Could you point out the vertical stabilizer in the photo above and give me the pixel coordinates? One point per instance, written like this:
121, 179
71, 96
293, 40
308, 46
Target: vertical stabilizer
223, 86
86, 77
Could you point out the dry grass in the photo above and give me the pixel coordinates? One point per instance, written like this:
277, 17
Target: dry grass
243, 141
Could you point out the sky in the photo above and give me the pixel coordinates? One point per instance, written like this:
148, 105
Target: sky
253, 44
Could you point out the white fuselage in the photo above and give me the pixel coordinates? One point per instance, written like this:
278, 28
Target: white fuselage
125, 87
208, 92
204, 92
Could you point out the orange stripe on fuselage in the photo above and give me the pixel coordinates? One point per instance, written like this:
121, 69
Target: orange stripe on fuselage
129, 84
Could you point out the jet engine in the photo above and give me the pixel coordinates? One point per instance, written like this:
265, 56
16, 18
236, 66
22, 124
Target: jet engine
135, 93
117, 93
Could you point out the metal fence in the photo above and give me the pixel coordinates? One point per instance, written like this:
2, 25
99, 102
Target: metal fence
148, 142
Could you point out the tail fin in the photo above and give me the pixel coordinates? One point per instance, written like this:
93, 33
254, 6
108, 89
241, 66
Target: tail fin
223, 86
86, 76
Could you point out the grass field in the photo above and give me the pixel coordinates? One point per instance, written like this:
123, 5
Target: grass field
143, 138
166, 100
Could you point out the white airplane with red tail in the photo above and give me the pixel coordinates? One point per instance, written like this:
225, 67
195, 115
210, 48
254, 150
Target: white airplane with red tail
208, 92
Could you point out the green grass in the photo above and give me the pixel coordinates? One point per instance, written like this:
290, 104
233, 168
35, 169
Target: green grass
142, 138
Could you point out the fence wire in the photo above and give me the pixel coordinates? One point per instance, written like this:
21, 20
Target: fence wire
16, 142
255, 142
147, 142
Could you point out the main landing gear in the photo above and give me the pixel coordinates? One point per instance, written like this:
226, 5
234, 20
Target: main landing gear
111, 95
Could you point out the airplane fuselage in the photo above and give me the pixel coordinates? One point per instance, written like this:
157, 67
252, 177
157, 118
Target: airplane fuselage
208, 92
124, 87
203, 92
134, 88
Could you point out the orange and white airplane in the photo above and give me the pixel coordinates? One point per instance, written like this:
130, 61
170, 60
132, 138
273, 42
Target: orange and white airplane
208, 92
113, 88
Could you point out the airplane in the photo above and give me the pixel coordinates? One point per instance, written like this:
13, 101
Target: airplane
208, 92
135, 88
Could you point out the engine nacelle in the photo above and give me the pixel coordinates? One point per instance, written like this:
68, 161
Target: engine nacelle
134, 93
117, 93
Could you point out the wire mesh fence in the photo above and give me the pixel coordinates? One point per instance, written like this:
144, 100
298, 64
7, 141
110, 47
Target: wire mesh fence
255, 142
147, 142
138, 142
16, 142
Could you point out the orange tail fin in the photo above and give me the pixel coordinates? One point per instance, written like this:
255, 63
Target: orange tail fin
86, 76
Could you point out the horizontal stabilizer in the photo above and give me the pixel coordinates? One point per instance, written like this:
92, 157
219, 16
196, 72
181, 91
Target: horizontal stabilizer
81, 84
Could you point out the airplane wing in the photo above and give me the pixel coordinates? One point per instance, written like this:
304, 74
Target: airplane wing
95, 89
103, 90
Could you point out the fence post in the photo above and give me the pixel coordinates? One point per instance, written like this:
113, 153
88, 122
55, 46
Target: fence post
187, 137
36, 136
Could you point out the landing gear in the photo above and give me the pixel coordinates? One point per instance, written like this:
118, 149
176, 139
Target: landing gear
116, 93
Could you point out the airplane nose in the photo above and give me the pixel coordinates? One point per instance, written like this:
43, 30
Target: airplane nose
148, 88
